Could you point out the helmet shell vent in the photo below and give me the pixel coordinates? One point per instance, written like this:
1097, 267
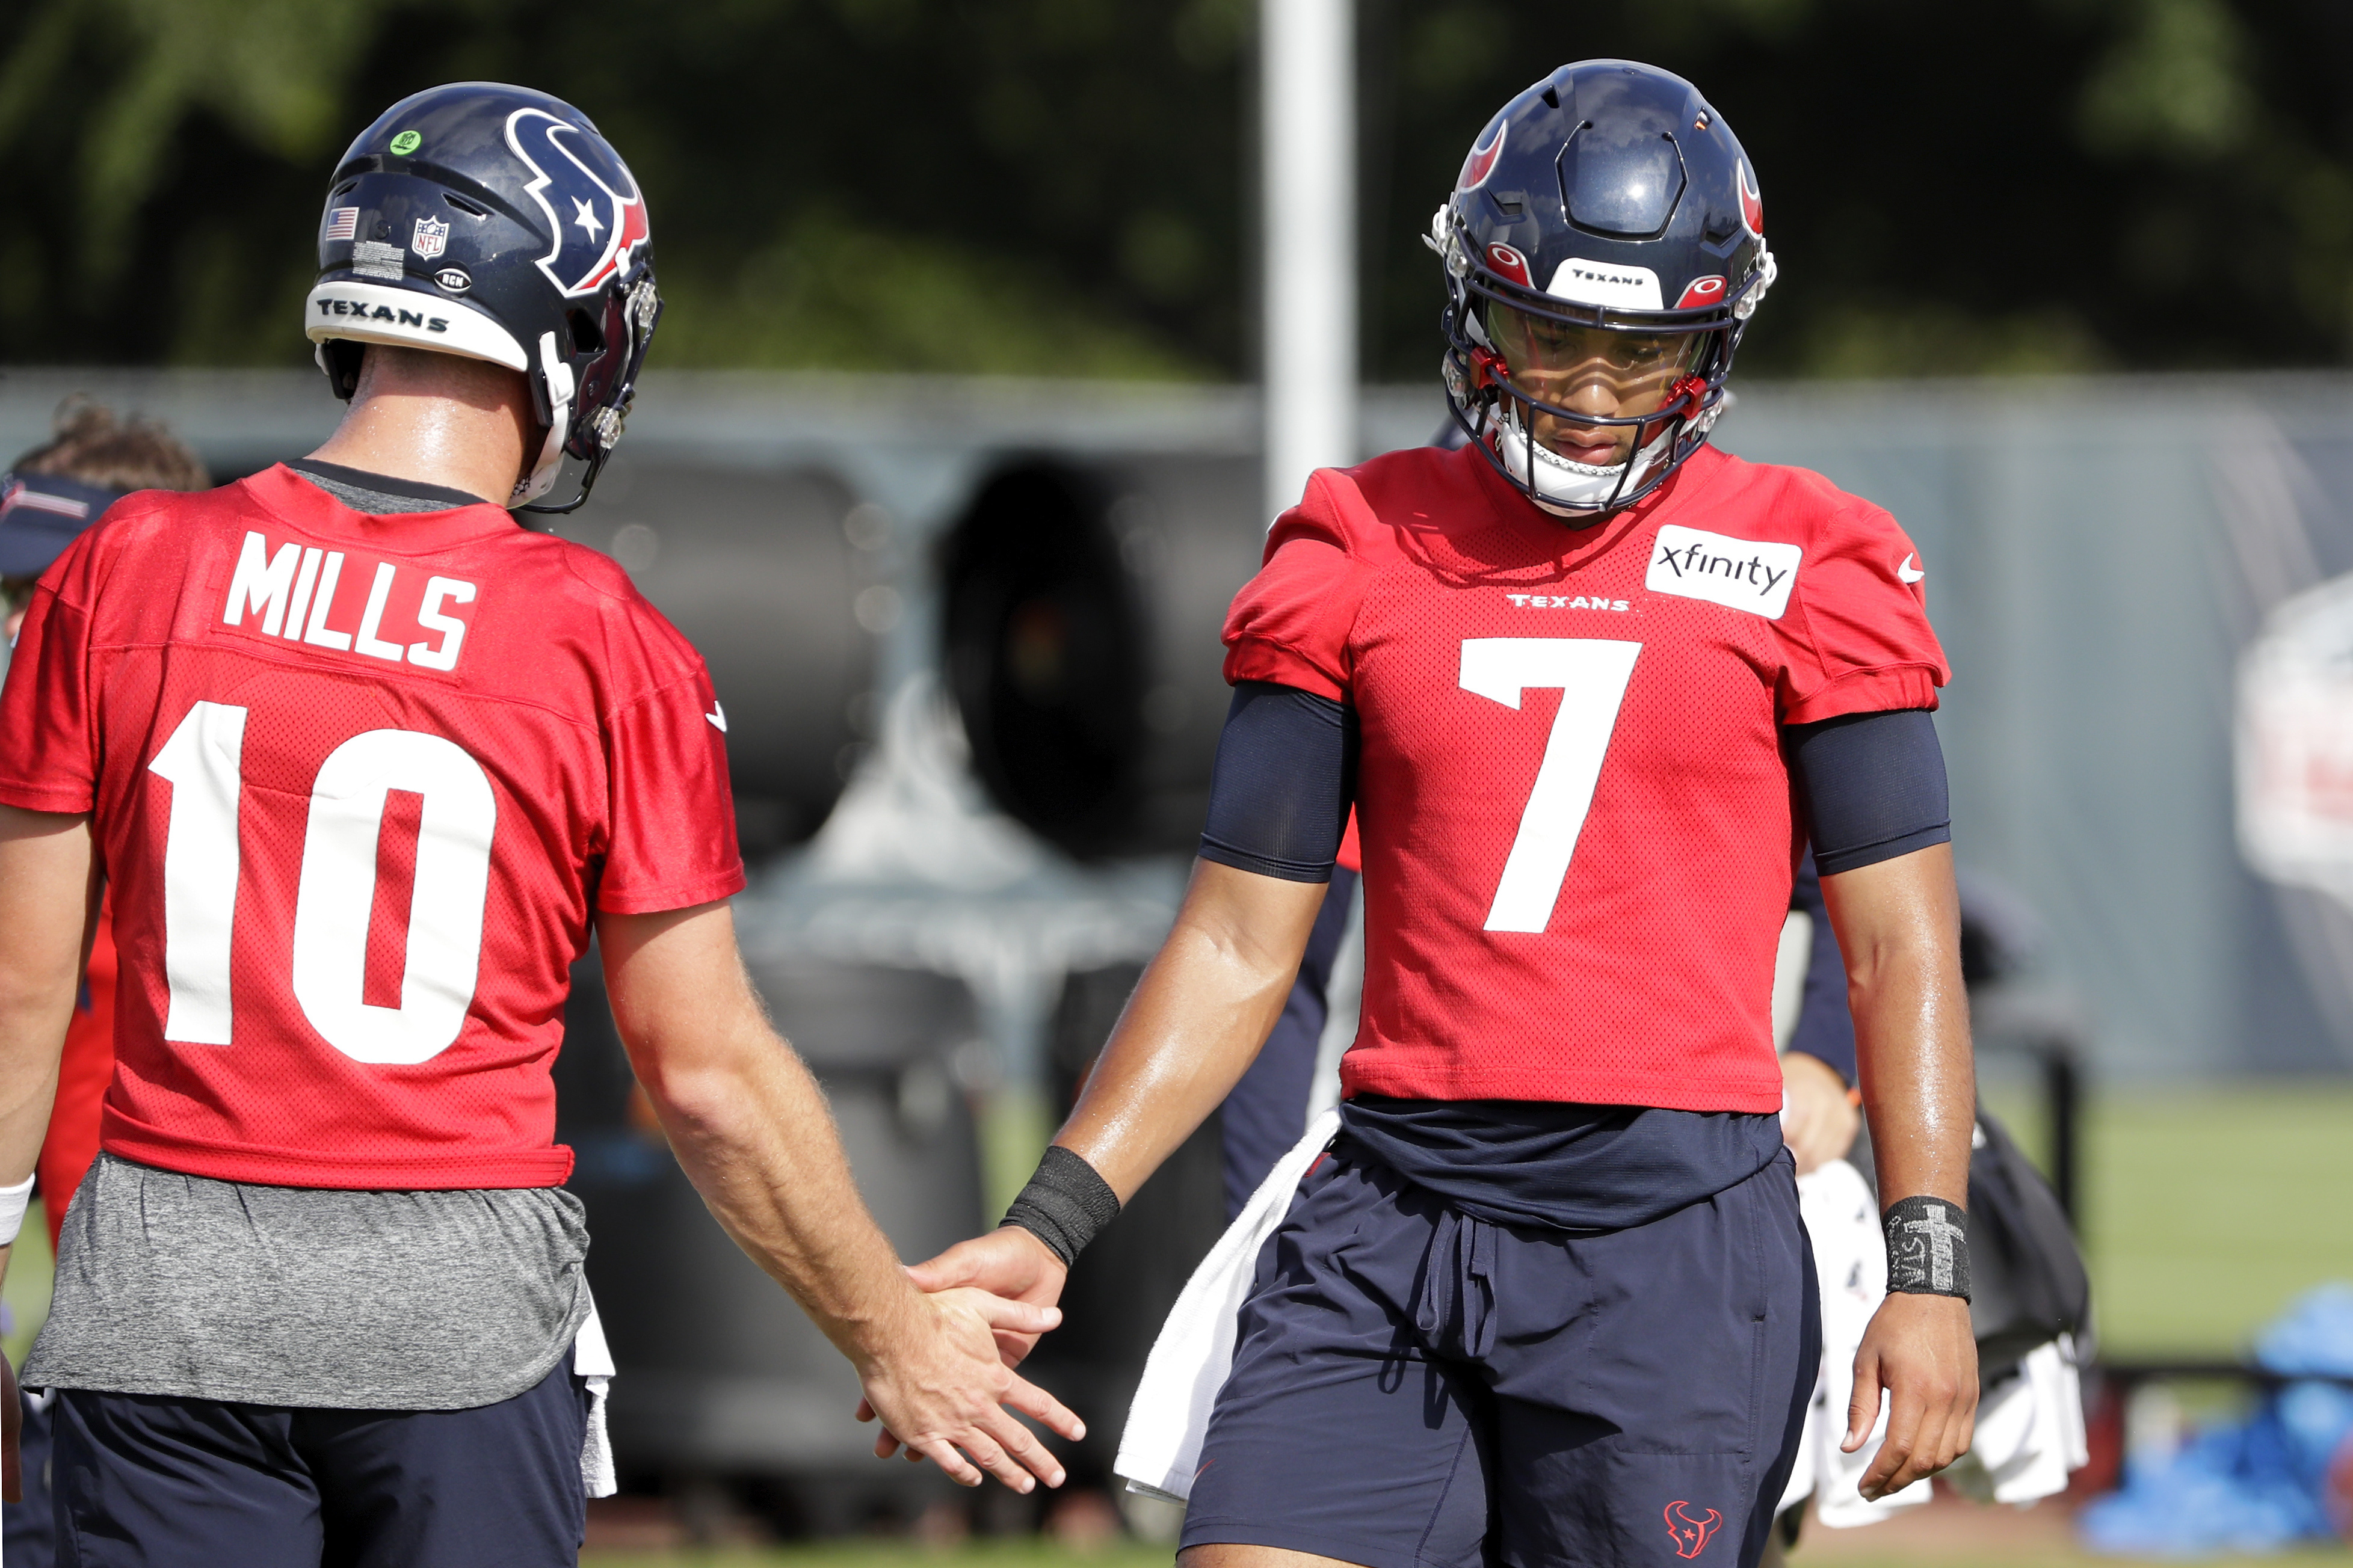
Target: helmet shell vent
1621, 180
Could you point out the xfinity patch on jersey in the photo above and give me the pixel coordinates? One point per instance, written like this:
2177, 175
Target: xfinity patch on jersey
1738, 573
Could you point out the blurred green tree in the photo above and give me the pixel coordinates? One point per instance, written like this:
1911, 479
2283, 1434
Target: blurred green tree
1064, 186
1029, 186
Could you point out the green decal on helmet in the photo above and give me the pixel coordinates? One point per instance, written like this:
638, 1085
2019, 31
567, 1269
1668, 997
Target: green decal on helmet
407, 142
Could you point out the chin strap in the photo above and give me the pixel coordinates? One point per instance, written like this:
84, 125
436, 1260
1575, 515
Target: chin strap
556, 376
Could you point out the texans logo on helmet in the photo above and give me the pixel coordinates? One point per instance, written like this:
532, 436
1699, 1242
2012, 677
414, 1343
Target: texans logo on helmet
1702, 292
1510, 263
1752, 201
588, 195
1482, 161
1691, 1530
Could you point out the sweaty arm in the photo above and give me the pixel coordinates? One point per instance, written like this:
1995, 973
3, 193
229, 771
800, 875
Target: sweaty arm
1876, 803
753, 1131
1279, 802
48, 899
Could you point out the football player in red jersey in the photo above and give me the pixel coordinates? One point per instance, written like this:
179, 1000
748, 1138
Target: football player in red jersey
365, 763
1591, 685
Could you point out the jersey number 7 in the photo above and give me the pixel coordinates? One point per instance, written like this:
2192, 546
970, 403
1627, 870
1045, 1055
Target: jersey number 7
1592, 675
337, 895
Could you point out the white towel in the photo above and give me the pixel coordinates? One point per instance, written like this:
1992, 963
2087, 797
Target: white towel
591, 1361
1161, 1447
1851, 1258
2030, 1431
2029, 1427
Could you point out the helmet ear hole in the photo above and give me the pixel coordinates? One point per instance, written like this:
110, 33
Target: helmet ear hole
586, 337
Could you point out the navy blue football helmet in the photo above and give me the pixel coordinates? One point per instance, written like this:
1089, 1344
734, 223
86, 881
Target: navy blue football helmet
494, 222
1610, 196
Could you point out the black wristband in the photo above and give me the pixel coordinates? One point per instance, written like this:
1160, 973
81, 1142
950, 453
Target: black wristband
1928, 1247
1065, 1206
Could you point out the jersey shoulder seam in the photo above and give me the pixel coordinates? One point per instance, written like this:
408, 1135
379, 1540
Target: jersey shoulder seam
618, 709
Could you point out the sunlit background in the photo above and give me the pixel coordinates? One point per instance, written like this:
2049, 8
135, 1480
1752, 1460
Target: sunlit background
950, 451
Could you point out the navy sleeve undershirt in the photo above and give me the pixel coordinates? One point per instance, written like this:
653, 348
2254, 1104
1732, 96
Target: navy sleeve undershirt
1872, 786
1285, 777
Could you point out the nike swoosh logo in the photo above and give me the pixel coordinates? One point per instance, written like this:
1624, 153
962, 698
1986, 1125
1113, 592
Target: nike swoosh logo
1904, 573
717, 716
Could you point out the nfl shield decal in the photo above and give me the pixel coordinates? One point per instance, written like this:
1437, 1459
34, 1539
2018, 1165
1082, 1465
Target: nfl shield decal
430, 240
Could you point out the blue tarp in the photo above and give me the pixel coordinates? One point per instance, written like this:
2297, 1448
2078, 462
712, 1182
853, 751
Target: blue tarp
2254, 1485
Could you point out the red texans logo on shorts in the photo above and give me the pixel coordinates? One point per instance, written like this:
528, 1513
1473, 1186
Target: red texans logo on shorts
1690, 1533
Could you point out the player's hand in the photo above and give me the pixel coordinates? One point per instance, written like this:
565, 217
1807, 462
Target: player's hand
1819, 1119
941, 1389
12, 1433
1008, 1262
1920, 1350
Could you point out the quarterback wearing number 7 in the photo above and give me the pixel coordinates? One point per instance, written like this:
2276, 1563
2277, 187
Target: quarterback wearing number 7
1591, 684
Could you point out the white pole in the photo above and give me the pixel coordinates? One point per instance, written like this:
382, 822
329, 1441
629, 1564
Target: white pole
1308, 112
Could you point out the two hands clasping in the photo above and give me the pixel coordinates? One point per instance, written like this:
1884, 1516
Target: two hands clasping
945, 1388
1010, 1280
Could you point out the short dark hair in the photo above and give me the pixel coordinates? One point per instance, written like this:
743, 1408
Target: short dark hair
91, 444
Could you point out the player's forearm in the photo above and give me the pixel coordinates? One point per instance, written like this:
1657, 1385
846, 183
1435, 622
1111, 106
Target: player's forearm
46, 900
749, 1124
1898, 924
1196, 1020
35, 1011
755, 1136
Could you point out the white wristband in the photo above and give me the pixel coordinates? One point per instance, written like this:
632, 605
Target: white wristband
12, 1210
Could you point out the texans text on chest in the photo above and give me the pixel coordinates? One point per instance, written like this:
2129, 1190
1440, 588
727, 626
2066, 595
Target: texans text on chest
1566, 602
293, 592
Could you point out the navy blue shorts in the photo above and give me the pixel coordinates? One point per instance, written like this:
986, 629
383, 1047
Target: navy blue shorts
1414, 1388
28, 1536
196, 1483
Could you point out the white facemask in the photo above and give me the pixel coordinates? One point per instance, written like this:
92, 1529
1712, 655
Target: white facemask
1563, 487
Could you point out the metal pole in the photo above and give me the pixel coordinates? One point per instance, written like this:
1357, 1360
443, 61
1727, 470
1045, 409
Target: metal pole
2062, 1085
1308, 113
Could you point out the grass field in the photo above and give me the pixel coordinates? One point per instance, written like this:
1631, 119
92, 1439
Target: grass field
2207, 1210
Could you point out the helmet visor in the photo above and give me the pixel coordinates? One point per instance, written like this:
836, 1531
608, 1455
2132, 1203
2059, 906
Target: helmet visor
1564, 363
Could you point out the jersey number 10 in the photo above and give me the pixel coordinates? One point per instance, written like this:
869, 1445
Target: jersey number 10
1591, 674
335, 900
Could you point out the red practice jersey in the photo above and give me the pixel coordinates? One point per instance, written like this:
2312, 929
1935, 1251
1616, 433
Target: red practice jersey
359, 784
1577, 830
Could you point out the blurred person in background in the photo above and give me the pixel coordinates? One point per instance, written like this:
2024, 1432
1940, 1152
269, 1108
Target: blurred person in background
48, 497
1559, 1195
364, 762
